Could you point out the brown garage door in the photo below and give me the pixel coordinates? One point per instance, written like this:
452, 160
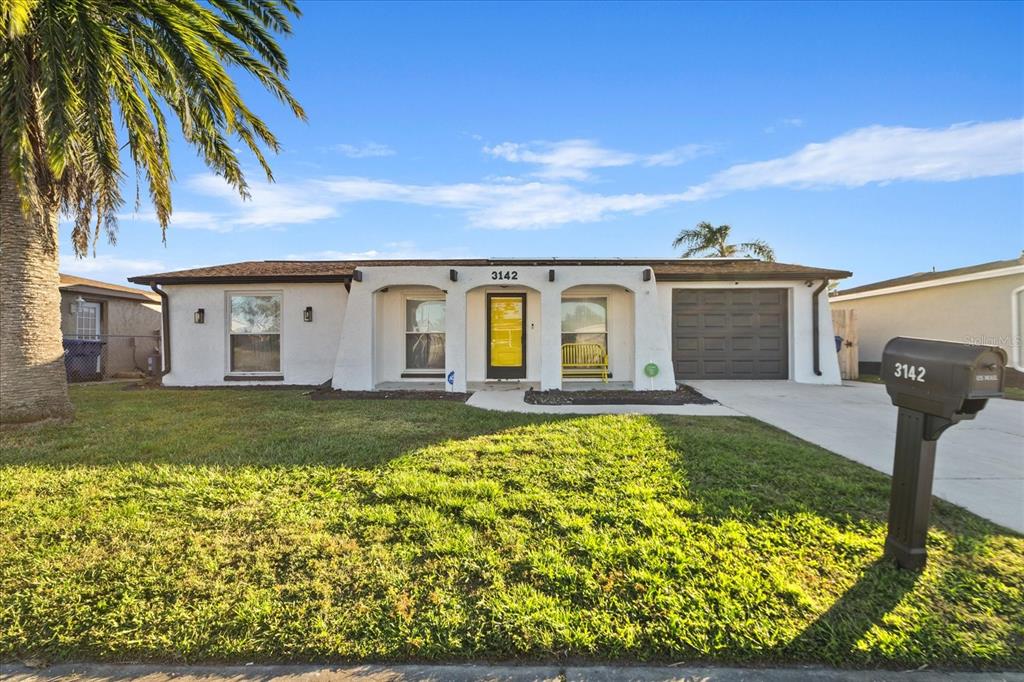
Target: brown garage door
730, 333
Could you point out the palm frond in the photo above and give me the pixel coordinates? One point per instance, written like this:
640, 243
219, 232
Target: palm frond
760, 249
71, 70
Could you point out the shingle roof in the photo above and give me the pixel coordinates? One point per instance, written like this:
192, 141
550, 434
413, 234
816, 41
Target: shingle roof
341, 271
922, 277
74, 282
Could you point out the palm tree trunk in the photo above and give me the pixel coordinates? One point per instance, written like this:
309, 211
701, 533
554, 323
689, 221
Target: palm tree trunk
33, 384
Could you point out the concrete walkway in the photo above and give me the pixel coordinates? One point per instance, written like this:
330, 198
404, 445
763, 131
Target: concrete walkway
511, 400
980, 463
473, 673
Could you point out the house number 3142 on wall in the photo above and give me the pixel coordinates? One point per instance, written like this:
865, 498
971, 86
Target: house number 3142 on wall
913, 372
504, 274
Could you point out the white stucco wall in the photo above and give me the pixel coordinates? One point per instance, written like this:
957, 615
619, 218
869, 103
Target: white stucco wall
199, 352
801, 358
977, 311
365, 356
357, 338
389, 330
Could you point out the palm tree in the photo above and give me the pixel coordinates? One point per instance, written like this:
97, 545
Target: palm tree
81, 80
706, 239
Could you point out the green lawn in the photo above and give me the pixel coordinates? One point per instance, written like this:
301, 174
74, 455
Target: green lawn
1011, 393
247, 525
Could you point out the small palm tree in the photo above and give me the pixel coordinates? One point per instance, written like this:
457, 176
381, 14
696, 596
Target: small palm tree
708, 240
80, 80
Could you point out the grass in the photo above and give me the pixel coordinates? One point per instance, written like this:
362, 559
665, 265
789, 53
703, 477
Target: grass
1011, 393
241, 525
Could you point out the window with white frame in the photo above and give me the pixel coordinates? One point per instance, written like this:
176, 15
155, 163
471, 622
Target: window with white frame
585, 320
424, 334
255, 333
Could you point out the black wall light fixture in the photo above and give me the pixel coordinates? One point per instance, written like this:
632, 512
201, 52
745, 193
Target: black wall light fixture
199, 317
307, 314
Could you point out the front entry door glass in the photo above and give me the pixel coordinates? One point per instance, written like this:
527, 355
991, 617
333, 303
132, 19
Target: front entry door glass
506, 316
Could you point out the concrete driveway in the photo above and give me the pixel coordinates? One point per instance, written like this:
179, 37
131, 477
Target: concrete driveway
979, 465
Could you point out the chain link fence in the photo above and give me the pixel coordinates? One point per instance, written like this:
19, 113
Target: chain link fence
111, 356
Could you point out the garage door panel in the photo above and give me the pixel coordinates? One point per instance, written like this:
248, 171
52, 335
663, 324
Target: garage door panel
713, 297
715, 344
715, 368
687, 320
730, 333
743, 343
742, 319
736, 298
713, 320
690, 344
770, 297
685, 297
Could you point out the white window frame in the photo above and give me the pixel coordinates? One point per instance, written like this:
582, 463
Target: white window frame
425, 296
227, 332
607, 327
99, 320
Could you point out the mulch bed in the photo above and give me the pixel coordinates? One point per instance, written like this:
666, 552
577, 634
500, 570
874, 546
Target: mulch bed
684, 395
331, 394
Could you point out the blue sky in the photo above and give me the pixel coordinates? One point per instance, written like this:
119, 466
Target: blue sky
880, 138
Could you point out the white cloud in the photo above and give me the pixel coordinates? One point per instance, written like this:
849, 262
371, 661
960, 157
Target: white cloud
503, 206
108, 268
881, 154
364, 151
876, 154
574, 159
185, 220
390, 251
677, 156
270, 204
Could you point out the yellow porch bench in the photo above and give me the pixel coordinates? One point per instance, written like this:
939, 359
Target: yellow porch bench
584, 359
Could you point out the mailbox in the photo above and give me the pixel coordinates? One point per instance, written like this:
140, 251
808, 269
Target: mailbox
942, 378
935, 384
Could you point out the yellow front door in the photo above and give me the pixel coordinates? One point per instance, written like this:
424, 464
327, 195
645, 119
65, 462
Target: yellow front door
506, 316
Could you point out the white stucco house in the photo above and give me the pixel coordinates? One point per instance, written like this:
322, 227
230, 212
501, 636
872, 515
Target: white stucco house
977, 304
364, 325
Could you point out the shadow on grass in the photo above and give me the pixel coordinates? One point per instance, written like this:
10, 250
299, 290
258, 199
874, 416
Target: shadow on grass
280, 428
533, 527
834, 635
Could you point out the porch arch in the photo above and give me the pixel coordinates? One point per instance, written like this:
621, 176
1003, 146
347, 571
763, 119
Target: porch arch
619, 323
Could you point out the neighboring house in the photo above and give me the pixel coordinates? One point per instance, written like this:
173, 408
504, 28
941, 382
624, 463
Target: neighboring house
364, 324
982, 304
125, 319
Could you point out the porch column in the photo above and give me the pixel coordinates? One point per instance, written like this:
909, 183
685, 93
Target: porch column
653, 340
353, 369
550, 340
455, 339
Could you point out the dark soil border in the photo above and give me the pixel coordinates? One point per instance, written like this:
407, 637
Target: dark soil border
684, 395
322, 393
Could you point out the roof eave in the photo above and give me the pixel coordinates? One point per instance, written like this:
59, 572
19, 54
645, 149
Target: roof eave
240, 279
749, 276
109, 293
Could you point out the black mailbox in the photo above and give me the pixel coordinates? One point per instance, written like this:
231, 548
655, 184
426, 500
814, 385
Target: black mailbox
942, 378
935, 384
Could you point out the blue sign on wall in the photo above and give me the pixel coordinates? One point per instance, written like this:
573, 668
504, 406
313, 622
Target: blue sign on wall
451, 378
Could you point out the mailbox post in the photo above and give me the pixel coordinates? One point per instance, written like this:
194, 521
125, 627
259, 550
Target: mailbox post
935, 384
